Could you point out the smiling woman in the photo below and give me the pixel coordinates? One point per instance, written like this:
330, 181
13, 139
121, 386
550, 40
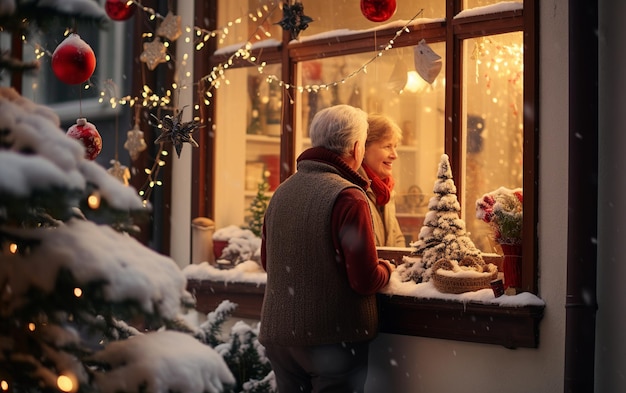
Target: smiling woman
381, 146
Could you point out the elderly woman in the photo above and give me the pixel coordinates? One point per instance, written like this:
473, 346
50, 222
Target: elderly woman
383, 137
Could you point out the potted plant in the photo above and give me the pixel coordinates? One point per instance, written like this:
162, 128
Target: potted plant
502, 210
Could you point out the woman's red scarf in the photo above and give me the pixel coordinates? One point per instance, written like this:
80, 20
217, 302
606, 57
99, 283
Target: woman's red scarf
382, 188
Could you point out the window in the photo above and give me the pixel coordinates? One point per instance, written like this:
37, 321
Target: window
473, 110
481, 108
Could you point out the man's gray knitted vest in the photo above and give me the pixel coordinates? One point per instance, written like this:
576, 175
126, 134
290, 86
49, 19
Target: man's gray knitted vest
308, 300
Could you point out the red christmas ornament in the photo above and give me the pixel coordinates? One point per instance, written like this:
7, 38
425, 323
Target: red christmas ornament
378, 10
73, 61
119, 9
87, 134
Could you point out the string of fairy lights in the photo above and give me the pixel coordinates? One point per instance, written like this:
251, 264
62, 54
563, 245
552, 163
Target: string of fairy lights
217, 77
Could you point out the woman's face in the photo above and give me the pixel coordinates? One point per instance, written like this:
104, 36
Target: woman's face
380, 155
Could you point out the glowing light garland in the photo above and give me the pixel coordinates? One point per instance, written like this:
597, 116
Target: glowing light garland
149, 99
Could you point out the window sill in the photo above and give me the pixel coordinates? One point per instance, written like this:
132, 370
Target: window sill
511, 327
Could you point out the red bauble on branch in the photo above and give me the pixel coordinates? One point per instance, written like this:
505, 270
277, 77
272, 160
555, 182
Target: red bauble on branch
87, 134
378, 10
73, 61
119, 9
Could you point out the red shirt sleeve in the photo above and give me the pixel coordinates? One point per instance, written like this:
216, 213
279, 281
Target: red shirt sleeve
263, 253
354, 241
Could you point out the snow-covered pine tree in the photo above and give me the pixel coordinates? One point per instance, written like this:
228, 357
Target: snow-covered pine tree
443, 233
67, 284
84, 307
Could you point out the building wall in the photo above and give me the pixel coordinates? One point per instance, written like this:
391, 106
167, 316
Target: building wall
611, 318
403, 364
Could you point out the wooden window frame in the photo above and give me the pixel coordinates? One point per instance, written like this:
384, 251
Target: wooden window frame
507, 326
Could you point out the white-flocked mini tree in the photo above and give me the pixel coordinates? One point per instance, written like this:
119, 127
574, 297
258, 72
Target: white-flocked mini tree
443, 234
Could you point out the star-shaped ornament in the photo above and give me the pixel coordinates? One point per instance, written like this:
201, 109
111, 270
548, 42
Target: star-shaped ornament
170, 27
119, 171
175, 131
135, 142
294, 19
153, 53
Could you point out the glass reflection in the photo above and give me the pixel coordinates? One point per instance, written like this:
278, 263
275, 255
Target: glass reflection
391, 86
241, 21
346, 14
493, 127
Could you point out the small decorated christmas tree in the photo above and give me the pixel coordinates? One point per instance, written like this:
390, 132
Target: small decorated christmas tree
258, 207
443, 233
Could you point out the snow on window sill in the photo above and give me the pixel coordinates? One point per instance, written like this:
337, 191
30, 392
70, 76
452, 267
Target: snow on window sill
510, 321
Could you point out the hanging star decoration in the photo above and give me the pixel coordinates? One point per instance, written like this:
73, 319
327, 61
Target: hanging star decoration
294, 19
119, 171
135, 142
153, 53
175, 131
170, 28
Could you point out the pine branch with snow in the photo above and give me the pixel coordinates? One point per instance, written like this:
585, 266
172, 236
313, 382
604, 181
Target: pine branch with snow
212, 327
245, 357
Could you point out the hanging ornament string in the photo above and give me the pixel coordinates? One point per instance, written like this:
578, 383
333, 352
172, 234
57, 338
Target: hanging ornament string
151, 99
153, 174
325, 86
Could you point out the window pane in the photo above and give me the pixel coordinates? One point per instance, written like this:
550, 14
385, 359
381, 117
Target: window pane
247, 137
480, 3
347, 14
242, 21
493, 127
391, 86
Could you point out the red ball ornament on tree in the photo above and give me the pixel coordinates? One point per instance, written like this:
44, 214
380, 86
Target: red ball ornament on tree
378, 10
73, 61
87, 134
119, 9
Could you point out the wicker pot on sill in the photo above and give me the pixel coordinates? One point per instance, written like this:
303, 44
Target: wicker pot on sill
470, 274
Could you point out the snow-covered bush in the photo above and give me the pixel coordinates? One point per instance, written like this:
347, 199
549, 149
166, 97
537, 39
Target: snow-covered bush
243, 245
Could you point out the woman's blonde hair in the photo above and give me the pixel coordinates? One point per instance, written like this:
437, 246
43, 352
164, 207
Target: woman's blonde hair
380, 127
